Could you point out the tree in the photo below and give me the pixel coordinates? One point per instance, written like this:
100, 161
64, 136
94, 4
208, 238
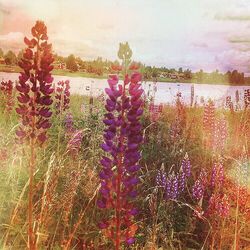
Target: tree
71, 63
10, 58
20, 55
1, 52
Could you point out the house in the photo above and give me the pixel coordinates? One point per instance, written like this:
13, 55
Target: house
59, 65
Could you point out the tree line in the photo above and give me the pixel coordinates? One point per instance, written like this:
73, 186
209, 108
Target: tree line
100, 67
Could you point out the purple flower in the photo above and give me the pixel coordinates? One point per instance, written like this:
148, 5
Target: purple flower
121, 145
34, 86
186, 166
161, 179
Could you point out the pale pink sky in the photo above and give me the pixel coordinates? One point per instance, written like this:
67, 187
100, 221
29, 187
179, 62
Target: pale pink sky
208, 34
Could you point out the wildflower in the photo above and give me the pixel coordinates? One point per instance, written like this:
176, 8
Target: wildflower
34, 100
198, 190
34, 86
155, 111
6, 90
219, 205
247, 97
208, 117
199, 186
161, 179
186, 166
75, 142
62, 96
220, 134
217, 175
172, 187
69, 124
122, 139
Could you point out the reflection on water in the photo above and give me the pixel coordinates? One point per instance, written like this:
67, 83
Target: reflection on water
162, 91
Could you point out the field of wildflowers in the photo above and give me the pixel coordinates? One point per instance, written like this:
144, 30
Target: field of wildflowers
118, 171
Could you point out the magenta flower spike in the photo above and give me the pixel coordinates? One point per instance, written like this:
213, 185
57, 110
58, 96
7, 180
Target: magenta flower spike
62, 96
34, 101
34, 87
6, 88
122, 139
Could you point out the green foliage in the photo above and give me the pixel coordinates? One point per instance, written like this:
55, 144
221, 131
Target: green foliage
71, 63
10, 58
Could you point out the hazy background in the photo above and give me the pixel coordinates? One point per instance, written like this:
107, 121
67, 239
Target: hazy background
207, 34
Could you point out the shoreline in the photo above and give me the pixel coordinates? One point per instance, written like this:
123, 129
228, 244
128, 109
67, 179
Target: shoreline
90, 75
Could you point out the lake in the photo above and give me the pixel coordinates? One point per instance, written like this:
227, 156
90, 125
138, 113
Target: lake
165, 92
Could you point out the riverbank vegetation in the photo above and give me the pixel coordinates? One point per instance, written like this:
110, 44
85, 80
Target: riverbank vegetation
100, 68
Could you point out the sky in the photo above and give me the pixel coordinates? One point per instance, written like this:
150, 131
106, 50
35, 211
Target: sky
195, 34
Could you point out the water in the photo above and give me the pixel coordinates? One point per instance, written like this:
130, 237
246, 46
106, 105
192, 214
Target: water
165, 92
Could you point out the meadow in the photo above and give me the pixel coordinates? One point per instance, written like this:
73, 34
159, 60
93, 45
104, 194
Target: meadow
118, 171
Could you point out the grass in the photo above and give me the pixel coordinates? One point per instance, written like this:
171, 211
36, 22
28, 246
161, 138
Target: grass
65, 210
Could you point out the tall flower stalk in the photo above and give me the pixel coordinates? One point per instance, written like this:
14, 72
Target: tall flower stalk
34, 99
6, 96
122, 139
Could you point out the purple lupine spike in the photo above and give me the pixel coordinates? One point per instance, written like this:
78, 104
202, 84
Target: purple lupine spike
122, 139
69, 124
74, 143
182, 181
186, 166
198, 190
175, 187
213, 175
220, 173
168, 188
161, 179
62, 96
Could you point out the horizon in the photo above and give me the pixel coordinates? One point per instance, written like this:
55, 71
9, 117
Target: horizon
197, 35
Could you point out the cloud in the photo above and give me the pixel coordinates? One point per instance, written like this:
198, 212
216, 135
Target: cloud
239, 40
234, 59
232, 17
12, 41
199, 44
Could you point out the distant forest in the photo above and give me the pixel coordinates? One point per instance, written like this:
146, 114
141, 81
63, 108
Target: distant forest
101, 67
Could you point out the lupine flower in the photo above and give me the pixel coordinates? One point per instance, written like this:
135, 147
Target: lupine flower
34, 99
229, 103
175, 129
34, 86
199, 186
208, 117
161, 178
217, 175
175, 187
69, 124
6, 91
172, 187
182, 181
220, 134
219, 205
247, 97
184, 173
155, 111
186, 166
62, 96
75, 142
208, 122
122, 139
198, 189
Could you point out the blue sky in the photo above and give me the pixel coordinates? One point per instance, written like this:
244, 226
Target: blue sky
208, 34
